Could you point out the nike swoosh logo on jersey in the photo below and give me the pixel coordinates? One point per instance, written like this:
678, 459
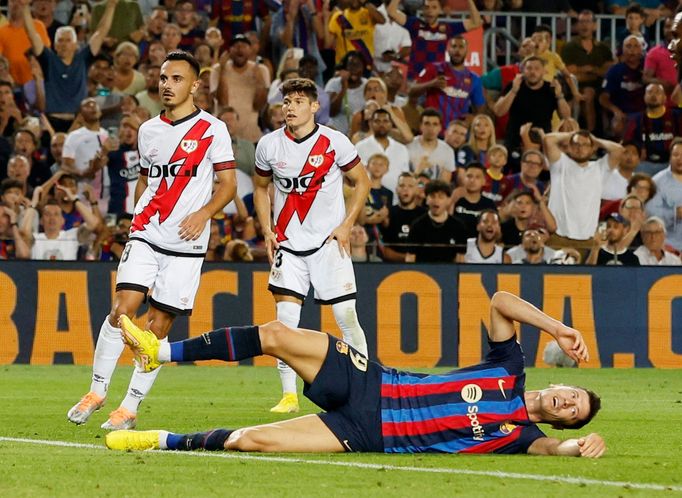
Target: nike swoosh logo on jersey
501, 384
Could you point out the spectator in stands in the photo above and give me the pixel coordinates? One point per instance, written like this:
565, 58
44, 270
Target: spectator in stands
529, 98
244, 85
56, 148
152, 30
65, 67
244, 150
149, 98
588, 59
379, 200
481, 139
667, 203
26, 144
361, 129
185, 16
171, 36
234, 18
527, 208
352, 28
297, 24
429, 34
616, 181
127, 79
12, 196
554, 65
653, 252
532, 249
654, 130
10, 115
623, 87
436, 237
651, 9
346, 92
658, 66
392, 42
609, 247
467, 202
380, 142
635, 25
55, 243
358, 246
494, 173
43, 10
122, 161
430, 154
81, 147
641, 185
12, 244
112, 240
127, 20
456, 138
400, 218
14, 42
375, 90
577, 184
631, 208
308, 67
19, 169
484, 248
156, 53
451, 87
533, 162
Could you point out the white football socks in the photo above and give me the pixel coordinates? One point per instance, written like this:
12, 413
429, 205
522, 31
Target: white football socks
289, 314
347, 319
140, 385
107, 352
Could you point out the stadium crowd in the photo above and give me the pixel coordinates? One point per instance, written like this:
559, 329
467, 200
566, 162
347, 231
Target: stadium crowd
563, 156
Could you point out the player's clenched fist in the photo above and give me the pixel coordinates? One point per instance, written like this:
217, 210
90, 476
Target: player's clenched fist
591, 446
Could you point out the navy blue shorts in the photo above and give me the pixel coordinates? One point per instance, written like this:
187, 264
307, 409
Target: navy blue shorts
348, 388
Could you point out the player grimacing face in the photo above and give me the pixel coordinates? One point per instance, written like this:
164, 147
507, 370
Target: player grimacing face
298, 110
177, 83
564, 405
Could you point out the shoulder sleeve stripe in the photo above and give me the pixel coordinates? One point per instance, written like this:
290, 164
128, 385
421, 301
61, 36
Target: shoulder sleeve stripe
224, 165
263, 172
350, 165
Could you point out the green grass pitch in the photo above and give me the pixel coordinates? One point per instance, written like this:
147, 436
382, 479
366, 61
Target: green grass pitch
640, 420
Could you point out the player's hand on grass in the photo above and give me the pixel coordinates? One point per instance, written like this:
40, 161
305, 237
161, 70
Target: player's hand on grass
342, 236
271, 244
591, 446
193, 225
572, 343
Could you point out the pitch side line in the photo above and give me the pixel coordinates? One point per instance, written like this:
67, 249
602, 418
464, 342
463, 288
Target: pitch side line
373, 466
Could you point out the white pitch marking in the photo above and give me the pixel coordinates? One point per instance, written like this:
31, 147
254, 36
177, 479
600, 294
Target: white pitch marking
374, 466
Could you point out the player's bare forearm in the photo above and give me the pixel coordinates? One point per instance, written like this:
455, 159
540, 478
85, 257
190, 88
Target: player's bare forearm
261, 201
590, 446
224, 192
358, 177
140, 187
91, 219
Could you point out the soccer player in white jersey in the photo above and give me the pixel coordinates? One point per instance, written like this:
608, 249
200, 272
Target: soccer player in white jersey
181, 152
310, 244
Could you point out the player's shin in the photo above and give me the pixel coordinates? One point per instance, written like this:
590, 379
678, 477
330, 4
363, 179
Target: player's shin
289, 313
107, 352
347, 319
226, 344
140, 385
210, 441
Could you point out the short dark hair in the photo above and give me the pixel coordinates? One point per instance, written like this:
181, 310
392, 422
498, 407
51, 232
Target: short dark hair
300, 85
542, 28
595, 406
124, 216
35, 139
103, 57
474, 164
6, 83
635, 8
407, 174
587, 134
346, 58
181, 55
526, 193
431, 112
381, 110
479, 216
437, 186
534, 58
9, 183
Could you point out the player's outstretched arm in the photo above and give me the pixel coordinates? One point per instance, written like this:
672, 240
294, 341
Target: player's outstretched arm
590, 446
505, 308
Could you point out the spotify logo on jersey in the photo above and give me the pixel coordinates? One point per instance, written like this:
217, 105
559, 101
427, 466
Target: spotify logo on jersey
471, 393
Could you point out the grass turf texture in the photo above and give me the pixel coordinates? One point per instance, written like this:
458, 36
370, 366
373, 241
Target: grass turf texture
640, 421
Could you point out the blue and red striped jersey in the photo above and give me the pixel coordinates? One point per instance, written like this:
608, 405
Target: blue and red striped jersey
479, 409
429, 43
654, 135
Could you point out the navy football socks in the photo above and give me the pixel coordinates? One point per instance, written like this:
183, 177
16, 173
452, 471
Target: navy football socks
227, 344
209, 441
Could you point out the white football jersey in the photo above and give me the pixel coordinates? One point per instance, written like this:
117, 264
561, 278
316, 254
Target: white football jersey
178, 158
307, 174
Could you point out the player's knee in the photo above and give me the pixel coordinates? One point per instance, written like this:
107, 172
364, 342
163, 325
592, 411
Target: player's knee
118, 309
273, 335
248, 439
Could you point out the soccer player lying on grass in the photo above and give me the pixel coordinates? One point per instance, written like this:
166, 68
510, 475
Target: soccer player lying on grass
372, 408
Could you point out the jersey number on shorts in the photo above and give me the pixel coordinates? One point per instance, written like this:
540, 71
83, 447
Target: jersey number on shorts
126, 253
278, 258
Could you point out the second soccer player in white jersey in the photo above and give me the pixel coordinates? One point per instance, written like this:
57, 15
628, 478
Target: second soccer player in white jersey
310, 241
181, 152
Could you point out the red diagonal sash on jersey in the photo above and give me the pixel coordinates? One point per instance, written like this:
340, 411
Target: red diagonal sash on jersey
166, 198
300, 203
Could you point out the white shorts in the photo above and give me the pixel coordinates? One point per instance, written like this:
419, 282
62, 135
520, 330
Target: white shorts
174, 280
330, 274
